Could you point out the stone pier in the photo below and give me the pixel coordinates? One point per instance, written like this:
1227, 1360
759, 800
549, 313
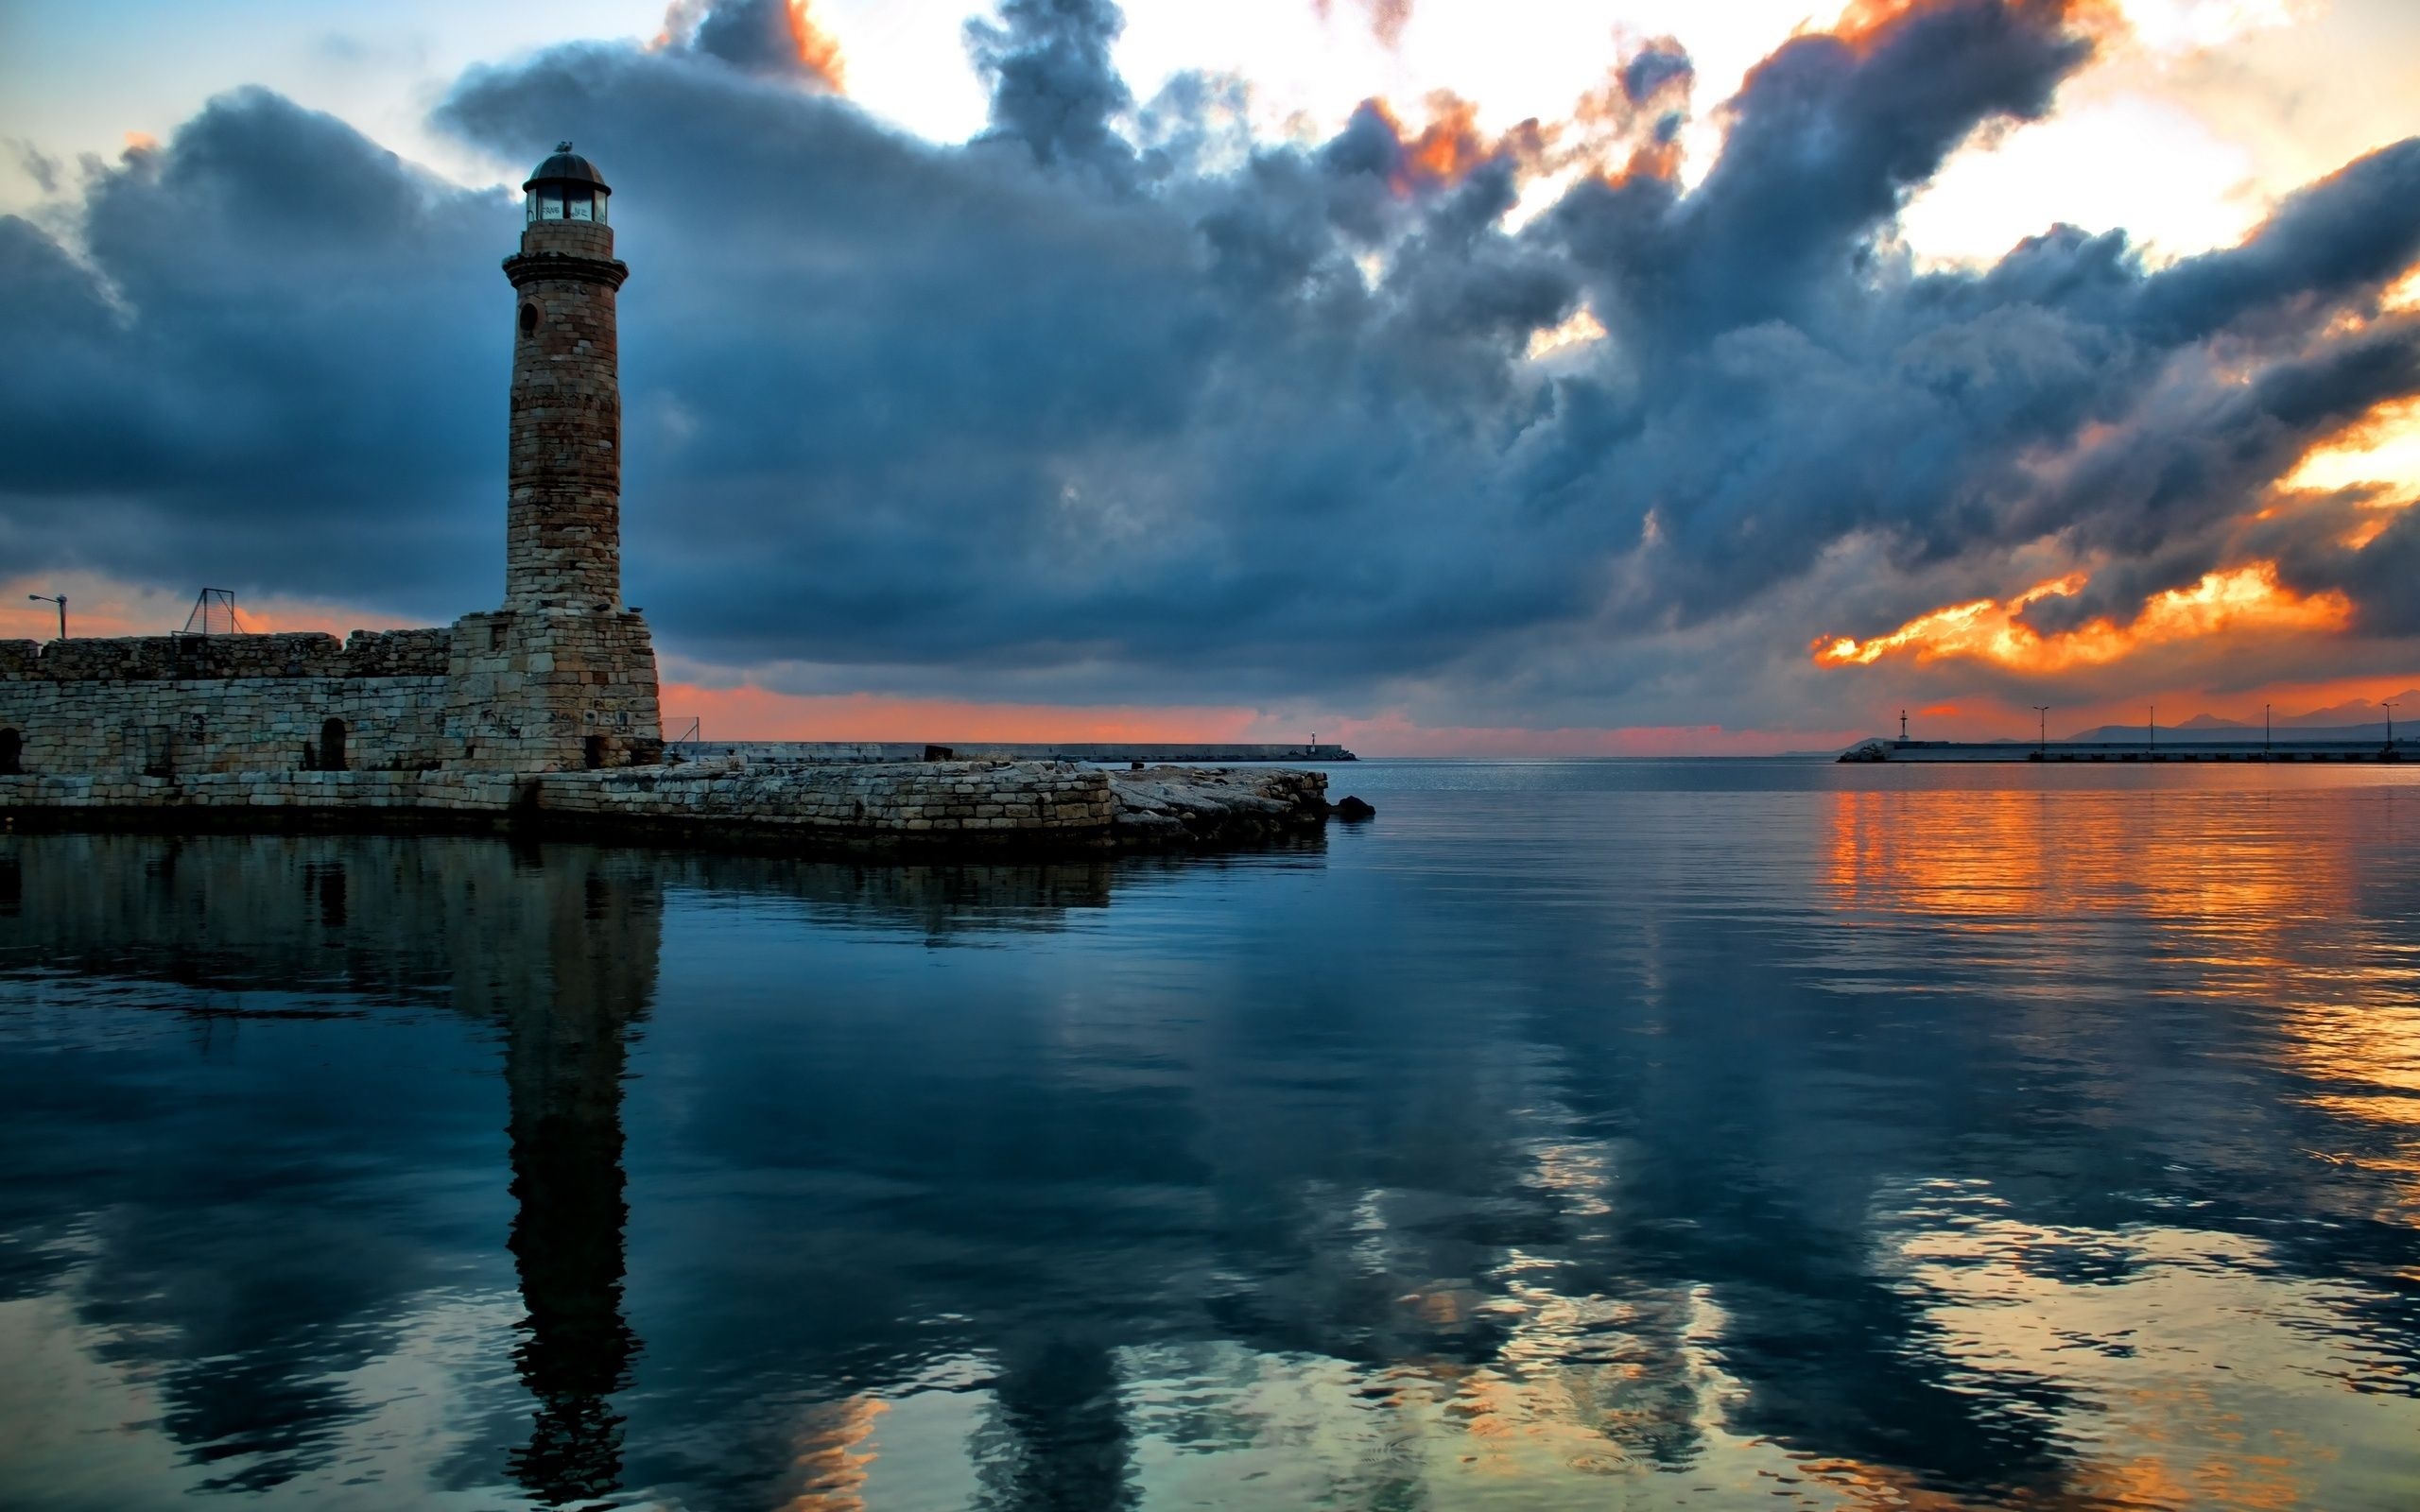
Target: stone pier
921, 807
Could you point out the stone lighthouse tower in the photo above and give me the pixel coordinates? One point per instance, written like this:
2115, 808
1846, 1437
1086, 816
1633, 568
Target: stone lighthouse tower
562, 676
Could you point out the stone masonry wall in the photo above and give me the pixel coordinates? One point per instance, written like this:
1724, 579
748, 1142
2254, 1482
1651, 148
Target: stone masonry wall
551, 690
928, 800
1034, 801
185, 705
939, 805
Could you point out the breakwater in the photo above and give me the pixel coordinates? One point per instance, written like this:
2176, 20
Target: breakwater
920, 806
2253, 749
1102, 753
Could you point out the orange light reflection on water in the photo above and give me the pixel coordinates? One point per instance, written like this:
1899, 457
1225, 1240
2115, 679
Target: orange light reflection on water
2240, 883
831, 1465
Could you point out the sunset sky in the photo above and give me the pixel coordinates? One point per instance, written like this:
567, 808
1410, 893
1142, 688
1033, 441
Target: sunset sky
1441, 376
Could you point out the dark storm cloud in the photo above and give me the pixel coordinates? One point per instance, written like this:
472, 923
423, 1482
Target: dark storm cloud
35, 164
1660, 66
266, 371
1054, 87
1112, 402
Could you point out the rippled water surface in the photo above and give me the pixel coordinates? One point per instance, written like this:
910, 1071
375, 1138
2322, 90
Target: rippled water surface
1587, 1136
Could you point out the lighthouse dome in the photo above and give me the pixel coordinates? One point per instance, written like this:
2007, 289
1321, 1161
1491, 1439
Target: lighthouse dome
565, 187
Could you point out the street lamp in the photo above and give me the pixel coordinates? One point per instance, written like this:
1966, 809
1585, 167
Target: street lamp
60, 599
2264, 731
2390, 722
2043, 743
2154, 731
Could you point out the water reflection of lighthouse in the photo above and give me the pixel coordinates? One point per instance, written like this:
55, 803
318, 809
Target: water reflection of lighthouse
568, 968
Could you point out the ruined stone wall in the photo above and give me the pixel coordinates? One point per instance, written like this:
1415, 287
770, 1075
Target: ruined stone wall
189, 705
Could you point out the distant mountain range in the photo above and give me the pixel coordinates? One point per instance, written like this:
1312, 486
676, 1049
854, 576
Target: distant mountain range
2356, 720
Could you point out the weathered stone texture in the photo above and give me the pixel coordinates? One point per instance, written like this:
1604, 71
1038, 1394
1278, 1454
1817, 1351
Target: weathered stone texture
170, 705
547, 689
1172, 803
1049, 805
562, 525
1035, 799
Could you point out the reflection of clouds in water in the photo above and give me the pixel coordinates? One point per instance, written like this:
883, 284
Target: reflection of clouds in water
2176, 1351
439, 1383
1613, 1162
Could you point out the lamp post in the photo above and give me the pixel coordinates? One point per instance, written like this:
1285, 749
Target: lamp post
2042, 741
2154, 727
60, 599
2388, 705
2264, 731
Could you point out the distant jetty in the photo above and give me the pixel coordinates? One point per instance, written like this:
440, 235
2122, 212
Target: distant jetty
2229, 748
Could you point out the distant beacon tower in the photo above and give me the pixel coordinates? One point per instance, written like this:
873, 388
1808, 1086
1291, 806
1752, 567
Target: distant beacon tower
563, 521
562, 677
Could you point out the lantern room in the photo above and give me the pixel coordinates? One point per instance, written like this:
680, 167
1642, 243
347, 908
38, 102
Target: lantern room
565, 187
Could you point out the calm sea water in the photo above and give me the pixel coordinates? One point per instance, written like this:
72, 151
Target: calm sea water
1709, 1135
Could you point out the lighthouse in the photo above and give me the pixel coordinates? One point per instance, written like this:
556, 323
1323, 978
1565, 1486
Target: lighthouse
563, 674
563, 513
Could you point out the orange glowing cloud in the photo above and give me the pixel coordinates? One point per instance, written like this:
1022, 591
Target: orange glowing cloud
2373, 464
2239, 599
819, 51
1451, 145
1863, 22
2379, 453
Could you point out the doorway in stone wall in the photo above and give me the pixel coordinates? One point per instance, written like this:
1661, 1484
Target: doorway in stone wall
592, 751
331, 751
12, 749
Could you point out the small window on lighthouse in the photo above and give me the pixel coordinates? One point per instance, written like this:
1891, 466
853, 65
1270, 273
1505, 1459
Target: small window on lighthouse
529, 320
